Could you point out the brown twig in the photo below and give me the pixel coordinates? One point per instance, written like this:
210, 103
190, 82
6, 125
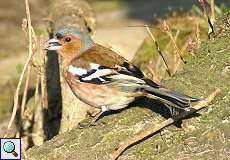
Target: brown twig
156, 77
167, 29
210, 23
156, 44
155, 128
158, 49
24, 98
198, 35
29, 58
170, 43
24, 152
213, 16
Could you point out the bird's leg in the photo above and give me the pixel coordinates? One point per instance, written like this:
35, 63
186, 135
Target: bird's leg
95, 118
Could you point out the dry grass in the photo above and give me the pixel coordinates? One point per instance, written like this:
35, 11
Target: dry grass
27, 68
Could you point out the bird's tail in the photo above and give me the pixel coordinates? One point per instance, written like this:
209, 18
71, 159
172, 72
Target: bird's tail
171, 98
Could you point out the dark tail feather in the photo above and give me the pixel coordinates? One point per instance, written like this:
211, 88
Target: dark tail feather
172, 98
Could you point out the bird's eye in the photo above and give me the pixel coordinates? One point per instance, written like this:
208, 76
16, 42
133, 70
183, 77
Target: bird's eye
68, 39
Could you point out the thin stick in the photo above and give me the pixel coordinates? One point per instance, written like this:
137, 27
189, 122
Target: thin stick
170, 43
31, 53
213, 16
211, 28
36, 94
198, 35
175, 46
155, 128
156, 44
25, 92
158, 49
24, 152
166, 28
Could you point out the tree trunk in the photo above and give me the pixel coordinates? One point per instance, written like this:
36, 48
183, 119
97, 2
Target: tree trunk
75, 13
56, 109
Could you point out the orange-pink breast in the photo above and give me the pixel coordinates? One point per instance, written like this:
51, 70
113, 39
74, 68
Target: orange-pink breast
99, 95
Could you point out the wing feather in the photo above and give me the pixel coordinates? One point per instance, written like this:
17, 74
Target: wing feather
103, 65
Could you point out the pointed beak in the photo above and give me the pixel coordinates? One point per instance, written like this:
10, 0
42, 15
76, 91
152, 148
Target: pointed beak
53, 44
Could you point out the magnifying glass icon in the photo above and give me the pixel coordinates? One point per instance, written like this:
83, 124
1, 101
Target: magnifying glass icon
9, 147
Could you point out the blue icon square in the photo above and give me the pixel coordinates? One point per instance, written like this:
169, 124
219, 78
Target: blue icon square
10, 148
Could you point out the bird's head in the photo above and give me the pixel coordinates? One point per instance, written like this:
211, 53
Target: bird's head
70, 41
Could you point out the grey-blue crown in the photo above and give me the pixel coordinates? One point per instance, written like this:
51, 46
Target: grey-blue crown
85, 38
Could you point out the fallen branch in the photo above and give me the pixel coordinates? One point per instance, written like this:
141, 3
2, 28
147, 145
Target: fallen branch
155, 128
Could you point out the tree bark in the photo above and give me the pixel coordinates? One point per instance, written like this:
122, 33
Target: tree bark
56, 109
79, 14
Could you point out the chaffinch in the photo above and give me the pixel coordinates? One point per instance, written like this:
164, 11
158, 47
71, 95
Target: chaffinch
103, 79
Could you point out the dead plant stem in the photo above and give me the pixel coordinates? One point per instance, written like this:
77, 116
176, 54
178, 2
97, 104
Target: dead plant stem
29, 58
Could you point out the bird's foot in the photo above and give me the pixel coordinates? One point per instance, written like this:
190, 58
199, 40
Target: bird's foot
82, 125
85, 123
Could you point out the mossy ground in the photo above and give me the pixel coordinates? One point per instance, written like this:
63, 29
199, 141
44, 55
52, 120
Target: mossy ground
206, 136
201, 137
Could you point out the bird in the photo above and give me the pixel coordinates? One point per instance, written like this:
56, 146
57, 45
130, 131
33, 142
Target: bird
103, 79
